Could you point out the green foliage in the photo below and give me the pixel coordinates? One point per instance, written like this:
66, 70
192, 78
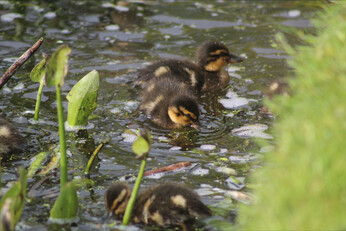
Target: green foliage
92, 157
141, 146
66, 206
12, 203
37, 75
303, 187
38, 72
36, 164
57, 66
40, 163
83, 99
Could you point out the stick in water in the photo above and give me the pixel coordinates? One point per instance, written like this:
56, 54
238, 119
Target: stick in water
19, 62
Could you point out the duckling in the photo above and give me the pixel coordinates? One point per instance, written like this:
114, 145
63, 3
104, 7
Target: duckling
277, 87
117, 196
162, 205
207, 74
170, 103
10, 140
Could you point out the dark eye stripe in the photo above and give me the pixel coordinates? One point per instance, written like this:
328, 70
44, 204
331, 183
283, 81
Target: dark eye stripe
222, 54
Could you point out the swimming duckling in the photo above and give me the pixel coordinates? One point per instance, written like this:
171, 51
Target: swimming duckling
10, 140
163, 205
169, 103
207, 74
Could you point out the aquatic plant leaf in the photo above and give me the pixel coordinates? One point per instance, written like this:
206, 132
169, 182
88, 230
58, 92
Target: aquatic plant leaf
141, 146
44, 161
36, 164
12, 203
57, 66
38, 72
66, 206
83, 99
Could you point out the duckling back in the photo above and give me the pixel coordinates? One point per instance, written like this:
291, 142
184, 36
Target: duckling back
10, 140
169, 103
168, 204
117, 197
181, 70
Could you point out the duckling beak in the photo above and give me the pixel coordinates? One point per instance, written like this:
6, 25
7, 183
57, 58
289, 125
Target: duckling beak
196, 126
234, 59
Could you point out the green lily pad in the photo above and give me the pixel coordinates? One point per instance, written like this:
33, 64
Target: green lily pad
38, 72
83, 99
141, 147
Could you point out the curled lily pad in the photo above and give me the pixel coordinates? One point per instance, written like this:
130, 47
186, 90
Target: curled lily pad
57, 66
38, 72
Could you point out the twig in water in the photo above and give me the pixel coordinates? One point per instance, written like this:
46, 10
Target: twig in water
19, 62
168, 168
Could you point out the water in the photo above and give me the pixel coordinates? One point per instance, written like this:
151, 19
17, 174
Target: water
116, 40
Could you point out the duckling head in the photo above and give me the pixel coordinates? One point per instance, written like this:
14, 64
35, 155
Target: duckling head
117, 196
183, 111
213, 56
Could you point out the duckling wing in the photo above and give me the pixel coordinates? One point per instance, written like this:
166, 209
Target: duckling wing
181, 70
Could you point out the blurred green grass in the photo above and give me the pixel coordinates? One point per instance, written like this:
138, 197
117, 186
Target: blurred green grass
303, 181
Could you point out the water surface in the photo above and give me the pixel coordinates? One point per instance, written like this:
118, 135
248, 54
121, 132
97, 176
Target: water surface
116, 41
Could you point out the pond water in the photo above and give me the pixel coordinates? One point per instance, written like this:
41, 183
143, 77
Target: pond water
116, 40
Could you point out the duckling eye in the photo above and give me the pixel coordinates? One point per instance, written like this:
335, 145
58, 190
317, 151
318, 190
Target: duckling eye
189, 117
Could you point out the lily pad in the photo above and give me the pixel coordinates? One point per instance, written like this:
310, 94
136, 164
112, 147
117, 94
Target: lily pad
37, 74
83, 99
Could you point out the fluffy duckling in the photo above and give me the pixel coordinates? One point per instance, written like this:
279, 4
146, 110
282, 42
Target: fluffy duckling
163, 205
170, 103
207, 74
10, 140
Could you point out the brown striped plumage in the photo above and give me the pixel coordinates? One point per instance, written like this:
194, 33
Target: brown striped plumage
207, 74
163, 205
169, 103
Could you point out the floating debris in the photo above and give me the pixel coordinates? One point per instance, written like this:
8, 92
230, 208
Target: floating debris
235, 183
200, 171
10, 17
170, 168
112, 27
129, 136
234, 101
204, 191
226, 170
175, 148
239, 196
50, 15
207, 147
293, 13
19, 86
253, 130
244, 159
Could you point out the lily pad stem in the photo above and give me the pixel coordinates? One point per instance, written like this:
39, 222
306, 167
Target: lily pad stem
130, 205
38, 100
63, 160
